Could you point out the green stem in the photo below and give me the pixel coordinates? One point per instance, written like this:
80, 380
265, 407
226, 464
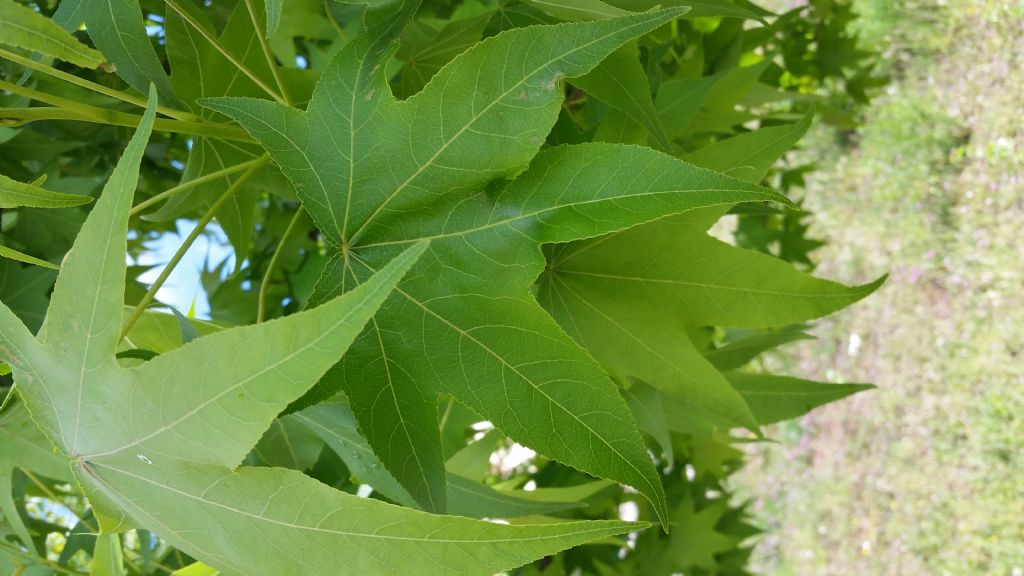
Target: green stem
176, 259
186, 186
38, 560
173, 5
267, 53
98, 88
13, 117
265, 283
447, 412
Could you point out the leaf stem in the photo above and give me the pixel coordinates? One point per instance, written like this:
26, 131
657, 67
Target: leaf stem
265, 283
173, 5
447, 413
189, 240
19, 116
98, 88
267, 53
186, 186
39, 560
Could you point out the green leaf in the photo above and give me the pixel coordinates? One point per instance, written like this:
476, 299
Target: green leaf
107, 557
775, 398
117, 29
648, 409
700, 8
273, 16
177, 453
736, 353
749, 156
702, 281
633, 336
371, 183
14, 194
336, 425
25, 446
13, 254
620, 81
578, 10
23, 27
199, 70
288, 443
476, 500
25, 290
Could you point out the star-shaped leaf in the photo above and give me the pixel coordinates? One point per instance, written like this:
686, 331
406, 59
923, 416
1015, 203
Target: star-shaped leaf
157, 445
377, 174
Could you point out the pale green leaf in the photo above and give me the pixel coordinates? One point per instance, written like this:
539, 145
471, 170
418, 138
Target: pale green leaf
578, 10
168, 460
117, 29
107, 557
775, 398
371, 181
24, 446
274, 8
13, 254
476, 500
23, 27
620, 81
750, 155
738, 352
14, 194
700, 281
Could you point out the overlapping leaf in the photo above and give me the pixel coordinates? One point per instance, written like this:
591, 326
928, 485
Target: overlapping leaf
376, 174
117, 29
157, 445
24, 28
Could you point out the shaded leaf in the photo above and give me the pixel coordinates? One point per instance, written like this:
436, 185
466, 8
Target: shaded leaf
23, 27
775, 398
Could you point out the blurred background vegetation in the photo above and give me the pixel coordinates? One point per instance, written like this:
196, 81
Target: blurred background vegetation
924, 475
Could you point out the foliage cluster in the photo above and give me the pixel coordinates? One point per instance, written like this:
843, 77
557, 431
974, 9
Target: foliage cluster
454, 227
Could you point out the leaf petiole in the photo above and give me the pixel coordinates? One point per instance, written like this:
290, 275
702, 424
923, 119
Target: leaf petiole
98, 88
186, 186
173, 5
265, 283
147, 299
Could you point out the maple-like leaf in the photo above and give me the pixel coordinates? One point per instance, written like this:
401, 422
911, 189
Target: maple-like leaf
158, 445
377, 174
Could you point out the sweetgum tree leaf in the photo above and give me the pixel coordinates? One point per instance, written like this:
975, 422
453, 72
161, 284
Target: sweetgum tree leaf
700, 8
14, 194
372, 181
24, 290
633, 337
12, 254
169, 460
738, 352
107, 557
578, 10
620, 81
117, 29
775, 398
24, 28
476, 500
750, 155
336, 426
701, 281
199, 70
273, 16
334, 422
24, 446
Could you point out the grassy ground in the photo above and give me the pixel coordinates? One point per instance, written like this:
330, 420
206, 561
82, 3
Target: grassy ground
926, 474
